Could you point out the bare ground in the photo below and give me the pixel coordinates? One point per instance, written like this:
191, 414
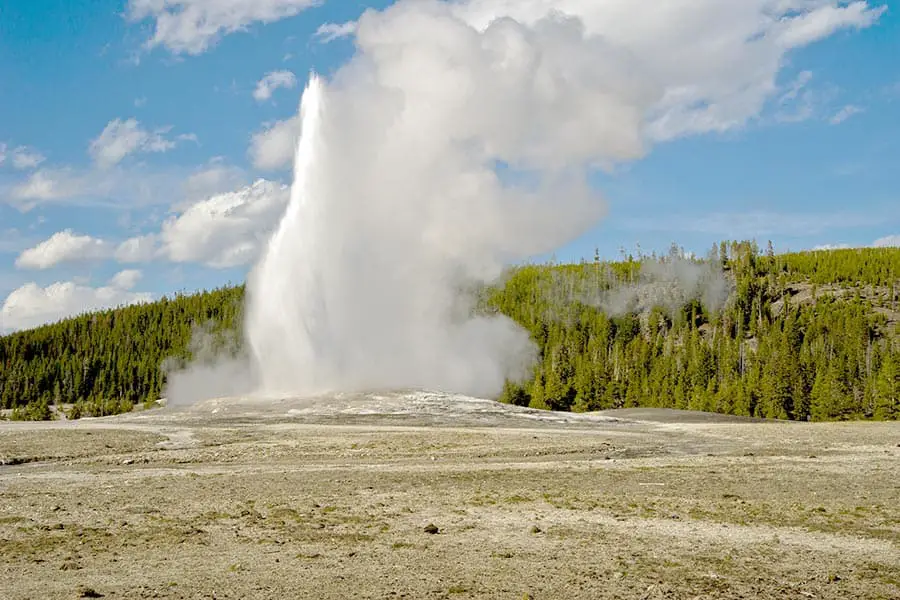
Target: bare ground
331, 500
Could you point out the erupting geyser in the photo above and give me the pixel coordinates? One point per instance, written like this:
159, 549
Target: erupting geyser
398, 203
348, 298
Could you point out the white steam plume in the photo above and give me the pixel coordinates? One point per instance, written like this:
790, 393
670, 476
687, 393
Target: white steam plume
397, 203
668, 283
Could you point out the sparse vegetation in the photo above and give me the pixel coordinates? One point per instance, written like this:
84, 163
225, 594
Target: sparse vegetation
248, 508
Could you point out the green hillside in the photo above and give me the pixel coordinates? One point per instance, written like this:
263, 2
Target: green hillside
813, 335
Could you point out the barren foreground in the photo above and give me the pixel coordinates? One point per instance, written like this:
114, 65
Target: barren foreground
332, 500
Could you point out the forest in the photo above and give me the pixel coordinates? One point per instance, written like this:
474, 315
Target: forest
806, 336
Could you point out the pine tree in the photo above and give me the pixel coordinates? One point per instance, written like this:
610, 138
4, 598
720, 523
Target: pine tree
887, 389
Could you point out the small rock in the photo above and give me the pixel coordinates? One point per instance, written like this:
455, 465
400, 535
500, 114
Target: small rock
431, 529
128, 461
536, 529
86, 592
812, 456
676, 517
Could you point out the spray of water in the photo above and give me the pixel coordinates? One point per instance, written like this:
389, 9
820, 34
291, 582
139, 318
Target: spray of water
425, 165
349, 298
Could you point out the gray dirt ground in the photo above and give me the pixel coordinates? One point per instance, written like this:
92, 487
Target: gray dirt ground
300, 499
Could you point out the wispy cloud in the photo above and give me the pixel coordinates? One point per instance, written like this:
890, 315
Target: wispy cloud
832, 247
221, 230
328, 32
845, 113
892, 91
888, 241
801, 101
193, 26
825, 20
20, 157
120, 138
13, 241
119, 187
271, 82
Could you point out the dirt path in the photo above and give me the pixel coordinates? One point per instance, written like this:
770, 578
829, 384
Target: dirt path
301, 504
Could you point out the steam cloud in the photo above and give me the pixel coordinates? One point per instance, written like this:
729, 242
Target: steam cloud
397, 202
668, 283
458, 139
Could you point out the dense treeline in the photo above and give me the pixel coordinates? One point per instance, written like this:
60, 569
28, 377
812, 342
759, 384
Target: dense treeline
782, 347
811, 335
104, 363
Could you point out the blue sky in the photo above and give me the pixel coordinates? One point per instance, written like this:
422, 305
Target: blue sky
814, 165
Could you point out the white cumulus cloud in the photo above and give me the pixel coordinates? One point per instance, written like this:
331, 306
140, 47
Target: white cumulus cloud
126, 280
63, 247
224, 230
120, 138
192, 26
271, 82
137, 249
273, 147
32, 305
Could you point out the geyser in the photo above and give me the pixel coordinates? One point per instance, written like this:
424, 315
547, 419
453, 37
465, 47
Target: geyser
398, 203
357, 292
